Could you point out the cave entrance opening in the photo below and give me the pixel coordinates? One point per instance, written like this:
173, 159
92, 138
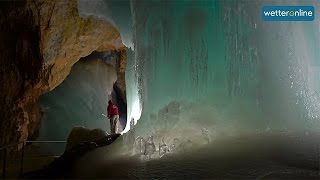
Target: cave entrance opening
82, 98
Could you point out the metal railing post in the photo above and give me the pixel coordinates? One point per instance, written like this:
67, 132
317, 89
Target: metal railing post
22, 157
24, 143
4, 163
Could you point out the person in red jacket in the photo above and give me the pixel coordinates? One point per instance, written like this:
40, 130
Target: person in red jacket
113, 115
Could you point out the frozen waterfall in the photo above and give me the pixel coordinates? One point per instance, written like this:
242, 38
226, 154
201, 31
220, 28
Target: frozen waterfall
224, 67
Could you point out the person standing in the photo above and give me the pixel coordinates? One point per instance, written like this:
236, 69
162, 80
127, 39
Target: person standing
113, 115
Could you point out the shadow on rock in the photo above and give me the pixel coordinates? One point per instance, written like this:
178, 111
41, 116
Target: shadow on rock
62, 166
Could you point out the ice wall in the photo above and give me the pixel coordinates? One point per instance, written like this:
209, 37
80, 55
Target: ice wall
134, 99
224, 67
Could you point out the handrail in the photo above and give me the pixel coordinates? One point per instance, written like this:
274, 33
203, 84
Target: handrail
46, 141
10, 145
4, 148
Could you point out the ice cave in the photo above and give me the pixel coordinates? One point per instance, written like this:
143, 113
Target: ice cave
204, 89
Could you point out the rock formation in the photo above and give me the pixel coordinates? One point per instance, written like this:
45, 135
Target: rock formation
41, 41
62, 167
80, 135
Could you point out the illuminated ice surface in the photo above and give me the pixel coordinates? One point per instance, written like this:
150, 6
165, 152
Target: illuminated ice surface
216, 64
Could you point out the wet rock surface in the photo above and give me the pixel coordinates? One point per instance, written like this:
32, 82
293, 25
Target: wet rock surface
80, 135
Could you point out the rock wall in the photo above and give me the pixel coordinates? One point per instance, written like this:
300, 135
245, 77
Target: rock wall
40, 42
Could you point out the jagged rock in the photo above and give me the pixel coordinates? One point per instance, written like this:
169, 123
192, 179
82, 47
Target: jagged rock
80, 135
40, 42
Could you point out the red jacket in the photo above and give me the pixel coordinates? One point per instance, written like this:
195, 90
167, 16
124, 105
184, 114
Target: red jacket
112, 110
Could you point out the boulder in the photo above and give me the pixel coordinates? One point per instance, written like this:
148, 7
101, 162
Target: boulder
62, 167
80, 135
